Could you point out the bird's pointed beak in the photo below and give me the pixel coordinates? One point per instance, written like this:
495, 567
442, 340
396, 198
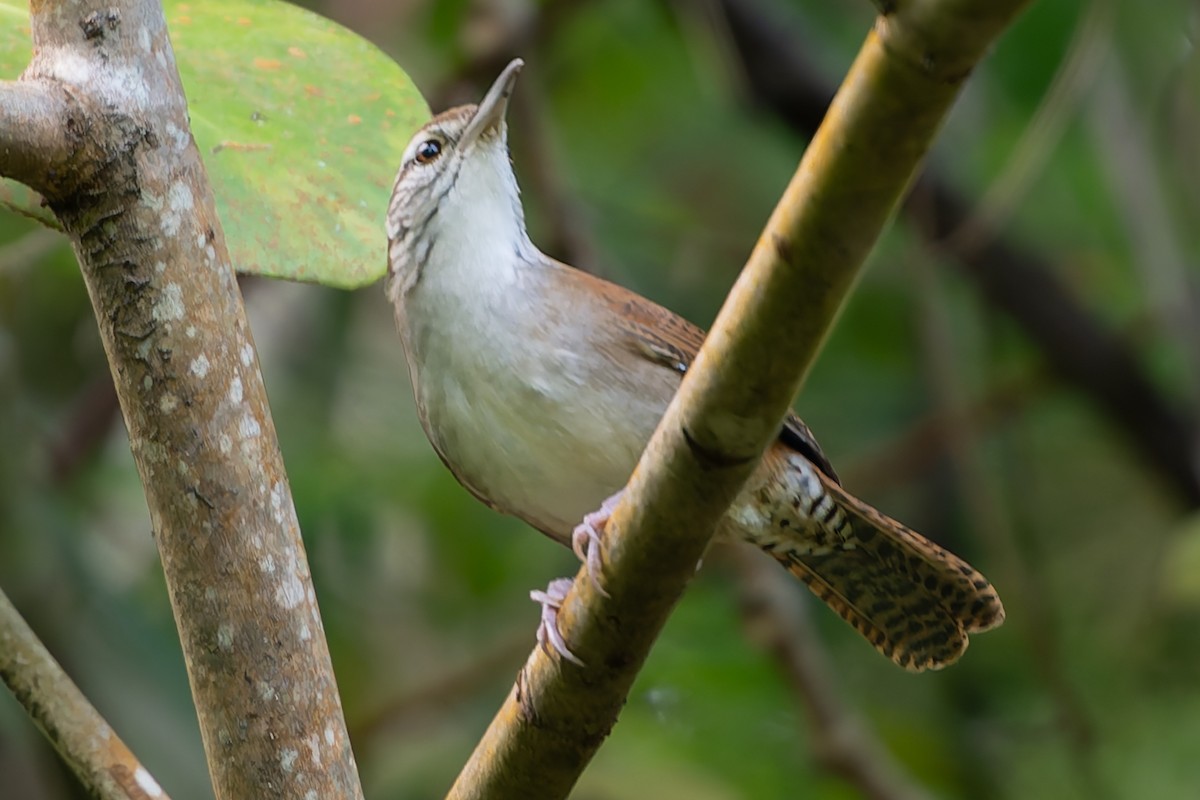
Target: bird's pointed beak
489, 116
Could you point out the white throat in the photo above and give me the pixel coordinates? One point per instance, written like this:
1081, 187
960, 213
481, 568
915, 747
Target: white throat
478, 233
472, 272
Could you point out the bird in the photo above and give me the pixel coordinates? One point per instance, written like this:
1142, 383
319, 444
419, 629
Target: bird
539, 385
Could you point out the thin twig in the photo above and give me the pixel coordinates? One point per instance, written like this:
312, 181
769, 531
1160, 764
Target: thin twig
36, 123
1041, 137
97, 756
1127, 156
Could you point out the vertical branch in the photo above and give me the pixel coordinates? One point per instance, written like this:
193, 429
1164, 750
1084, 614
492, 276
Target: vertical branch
1128, 161
121, 172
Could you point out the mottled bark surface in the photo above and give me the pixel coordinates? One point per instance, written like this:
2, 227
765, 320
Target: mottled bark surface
98, 124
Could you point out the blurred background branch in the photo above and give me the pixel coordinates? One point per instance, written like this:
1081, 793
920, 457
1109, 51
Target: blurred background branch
1020, 282
981, 501
776, 616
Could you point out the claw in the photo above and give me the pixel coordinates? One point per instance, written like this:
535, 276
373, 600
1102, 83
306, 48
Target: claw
585, 540
551, 601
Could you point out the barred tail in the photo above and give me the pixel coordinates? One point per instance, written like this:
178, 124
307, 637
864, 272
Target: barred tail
913, 600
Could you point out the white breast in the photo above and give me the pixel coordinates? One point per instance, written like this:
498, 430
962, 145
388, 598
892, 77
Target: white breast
521, 404
515, 392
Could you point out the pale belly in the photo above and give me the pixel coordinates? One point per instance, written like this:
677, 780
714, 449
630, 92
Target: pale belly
543, 436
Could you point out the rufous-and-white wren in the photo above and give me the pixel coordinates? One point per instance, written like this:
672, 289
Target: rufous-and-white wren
539, 385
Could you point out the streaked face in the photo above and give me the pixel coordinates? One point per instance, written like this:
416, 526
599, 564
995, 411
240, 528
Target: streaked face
430, 172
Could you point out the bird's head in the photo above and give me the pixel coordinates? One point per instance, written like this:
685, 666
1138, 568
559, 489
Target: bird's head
456, 180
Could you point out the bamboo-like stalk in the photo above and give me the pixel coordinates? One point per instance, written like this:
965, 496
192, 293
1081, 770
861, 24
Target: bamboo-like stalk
732, 400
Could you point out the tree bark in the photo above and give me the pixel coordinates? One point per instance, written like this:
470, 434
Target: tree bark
98, 124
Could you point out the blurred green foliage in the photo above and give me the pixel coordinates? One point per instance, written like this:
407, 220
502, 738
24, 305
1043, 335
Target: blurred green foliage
1090, 690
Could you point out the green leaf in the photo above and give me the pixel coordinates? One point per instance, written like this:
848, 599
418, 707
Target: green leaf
300, 122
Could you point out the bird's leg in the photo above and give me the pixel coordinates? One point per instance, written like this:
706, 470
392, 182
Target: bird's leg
585, 539
551, 601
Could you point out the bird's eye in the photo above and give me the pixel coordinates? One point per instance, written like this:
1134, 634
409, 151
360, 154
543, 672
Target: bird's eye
428, 151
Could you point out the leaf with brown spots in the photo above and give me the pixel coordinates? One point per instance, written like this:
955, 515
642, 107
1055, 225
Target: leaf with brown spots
299, 122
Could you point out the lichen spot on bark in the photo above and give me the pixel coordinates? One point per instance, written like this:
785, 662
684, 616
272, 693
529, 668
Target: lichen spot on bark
146, 782
169, 305
277, 499
290, 592
314, 749
248, 427
178, 138
200, 366
179, 203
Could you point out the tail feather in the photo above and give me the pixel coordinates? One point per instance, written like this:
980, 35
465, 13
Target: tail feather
944, 577
912, 599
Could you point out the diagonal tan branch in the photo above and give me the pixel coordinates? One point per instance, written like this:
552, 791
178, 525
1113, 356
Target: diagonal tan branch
1016, 279
97, 756
731, 402
132, 195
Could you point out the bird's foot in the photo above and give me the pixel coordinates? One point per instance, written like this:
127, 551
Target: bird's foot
551, 601
585, 540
